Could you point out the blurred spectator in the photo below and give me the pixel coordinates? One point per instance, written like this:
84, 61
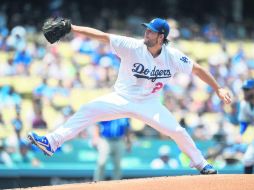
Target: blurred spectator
38, 121
102, 63
174, 30
8, 97
238, 63
218, 60
17, 39
5, 158
3, 45
37, 104
44, 91
220, 143
36, 117
17, 124
8, 68
233, 154
186, 33
77, 82
25, 155
3, 24
84, 45
109, 139
211, 32
133, 22
22, 61
2, 123
164, 161
60, 89
201, 132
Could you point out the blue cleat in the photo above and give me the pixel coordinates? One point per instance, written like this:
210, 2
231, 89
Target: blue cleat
41, 142
208, 169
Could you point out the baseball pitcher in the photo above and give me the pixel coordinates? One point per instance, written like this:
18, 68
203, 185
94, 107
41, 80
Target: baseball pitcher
146, 66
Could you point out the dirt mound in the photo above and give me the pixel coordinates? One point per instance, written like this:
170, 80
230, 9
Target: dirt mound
198, 182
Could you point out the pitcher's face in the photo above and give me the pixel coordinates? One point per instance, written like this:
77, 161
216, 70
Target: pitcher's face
151, 38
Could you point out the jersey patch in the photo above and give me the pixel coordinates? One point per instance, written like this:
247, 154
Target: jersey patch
140, 71
184, 59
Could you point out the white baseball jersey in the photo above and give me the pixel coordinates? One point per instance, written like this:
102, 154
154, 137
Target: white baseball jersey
140, 74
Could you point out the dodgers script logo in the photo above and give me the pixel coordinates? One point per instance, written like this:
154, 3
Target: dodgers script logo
140, 71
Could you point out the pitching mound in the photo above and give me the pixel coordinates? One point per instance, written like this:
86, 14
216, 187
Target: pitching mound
200, 182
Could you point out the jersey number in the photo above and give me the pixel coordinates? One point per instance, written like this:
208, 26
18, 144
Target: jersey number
157, 87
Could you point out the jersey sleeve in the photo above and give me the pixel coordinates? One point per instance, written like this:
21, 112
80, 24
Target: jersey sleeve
121, 45
182, 63
243, 112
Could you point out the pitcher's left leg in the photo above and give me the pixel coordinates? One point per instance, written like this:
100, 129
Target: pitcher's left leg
162, 120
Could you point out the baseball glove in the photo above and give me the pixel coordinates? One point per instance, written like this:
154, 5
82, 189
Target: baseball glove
56, 28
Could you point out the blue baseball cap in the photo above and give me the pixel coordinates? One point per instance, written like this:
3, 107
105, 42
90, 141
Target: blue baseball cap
248, 84
158, 25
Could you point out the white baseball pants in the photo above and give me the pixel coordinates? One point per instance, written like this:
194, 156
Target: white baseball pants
114, 106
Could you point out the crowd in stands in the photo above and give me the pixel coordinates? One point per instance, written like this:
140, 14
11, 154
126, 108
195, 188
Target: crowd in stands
78, 65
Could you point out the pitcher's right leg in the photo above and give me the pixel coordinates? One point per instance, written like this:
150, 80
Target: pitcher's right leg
108, 107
